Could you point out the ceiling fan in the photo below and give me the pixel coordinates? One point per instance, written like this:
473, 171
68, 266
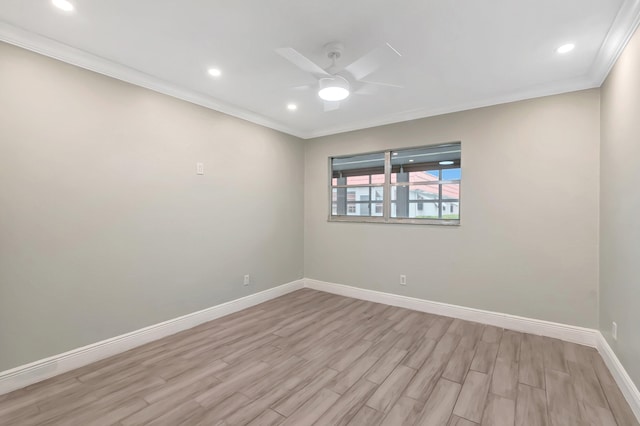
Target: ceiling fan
335, 84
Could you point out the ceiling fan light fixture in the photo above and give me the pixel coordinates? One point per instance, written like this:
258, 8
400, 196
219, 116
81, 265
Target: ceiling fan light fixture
334, 88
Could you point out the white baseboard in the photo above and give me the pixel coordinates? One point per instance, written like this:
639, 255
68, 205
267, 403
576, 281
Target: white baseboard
37, 371
569, 333
34, 372
580, 335
628, 388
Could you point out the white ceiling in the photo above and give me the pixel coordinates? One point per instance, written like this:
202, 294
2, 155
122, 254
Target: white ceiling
456, 55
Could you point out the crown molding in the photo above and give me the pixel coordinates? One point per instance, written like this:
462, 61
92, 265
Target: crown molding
621, 31
71, 55
555, 88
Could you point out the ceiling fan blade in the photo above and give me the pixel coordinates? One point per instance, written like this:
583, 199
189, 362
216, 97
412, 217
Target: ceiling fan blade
383, 83
331, 105
304, 87
301, 61
373, 60
367, 89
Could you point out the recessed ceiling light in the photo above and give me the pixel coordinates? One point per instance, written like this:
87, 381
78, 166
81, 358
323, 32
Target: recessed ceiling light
446, 163
214, 72
292, 107
63, 5
395, 153
411, 161
566, 48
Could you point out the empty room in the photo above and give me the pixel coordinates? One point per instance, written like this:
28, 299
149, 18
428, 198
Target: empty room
320, 213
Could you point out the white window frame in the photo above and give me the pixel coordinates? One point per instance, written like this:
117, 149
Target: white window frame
386, 196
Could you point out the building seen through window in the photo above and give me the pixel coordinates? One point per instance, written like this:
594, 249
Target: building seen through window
413, 184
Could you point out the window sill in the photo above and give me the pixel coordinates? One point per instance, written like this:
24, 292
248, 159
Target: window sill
362, 219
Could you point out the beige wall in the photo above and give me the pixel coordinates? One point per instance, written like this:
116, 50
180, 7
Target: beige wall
104, 225
105, 228
528, 240
620, 208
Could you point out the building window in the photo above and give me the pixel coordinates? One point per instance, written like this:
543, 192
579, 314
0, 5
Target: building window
415, 185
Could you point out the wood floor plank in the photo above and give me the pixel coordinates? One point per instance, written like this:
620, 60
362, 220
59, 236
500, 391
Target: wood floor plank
232, 385
554, 358
596, 416
267, 418
385, 365
185, 380
438, 328
531, 406
459, 421
254, 408
509, 350
473, 396
439, 406
390, 390
406, 411
349, 377
562, 404
531, 367
586, 385
313, 409
64, 406
218, 412
179, 415
577, 354
428, 375
168, 402
347, 356
289, 405
367, 416
460, 361
499, 411
504, 381
418, 354
277, 374
485, 357
492, 334
617, 403
100, 414
384, 343
349, 404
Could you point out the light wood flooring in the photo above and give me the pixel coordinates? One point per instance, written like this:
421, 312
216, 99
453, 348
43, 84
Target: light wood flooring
317, 358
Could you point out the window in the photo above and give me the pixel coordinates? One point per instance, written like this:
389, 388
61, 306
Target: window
415, 185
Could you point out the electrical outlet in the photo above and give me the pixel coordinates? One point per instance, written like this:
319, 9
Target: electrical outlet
200, 168
403, 280
247, 280
614, 330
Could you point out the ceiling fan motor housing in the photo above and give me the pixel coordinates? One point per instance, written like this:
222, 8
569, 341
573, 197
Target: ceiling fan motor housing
334, 50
